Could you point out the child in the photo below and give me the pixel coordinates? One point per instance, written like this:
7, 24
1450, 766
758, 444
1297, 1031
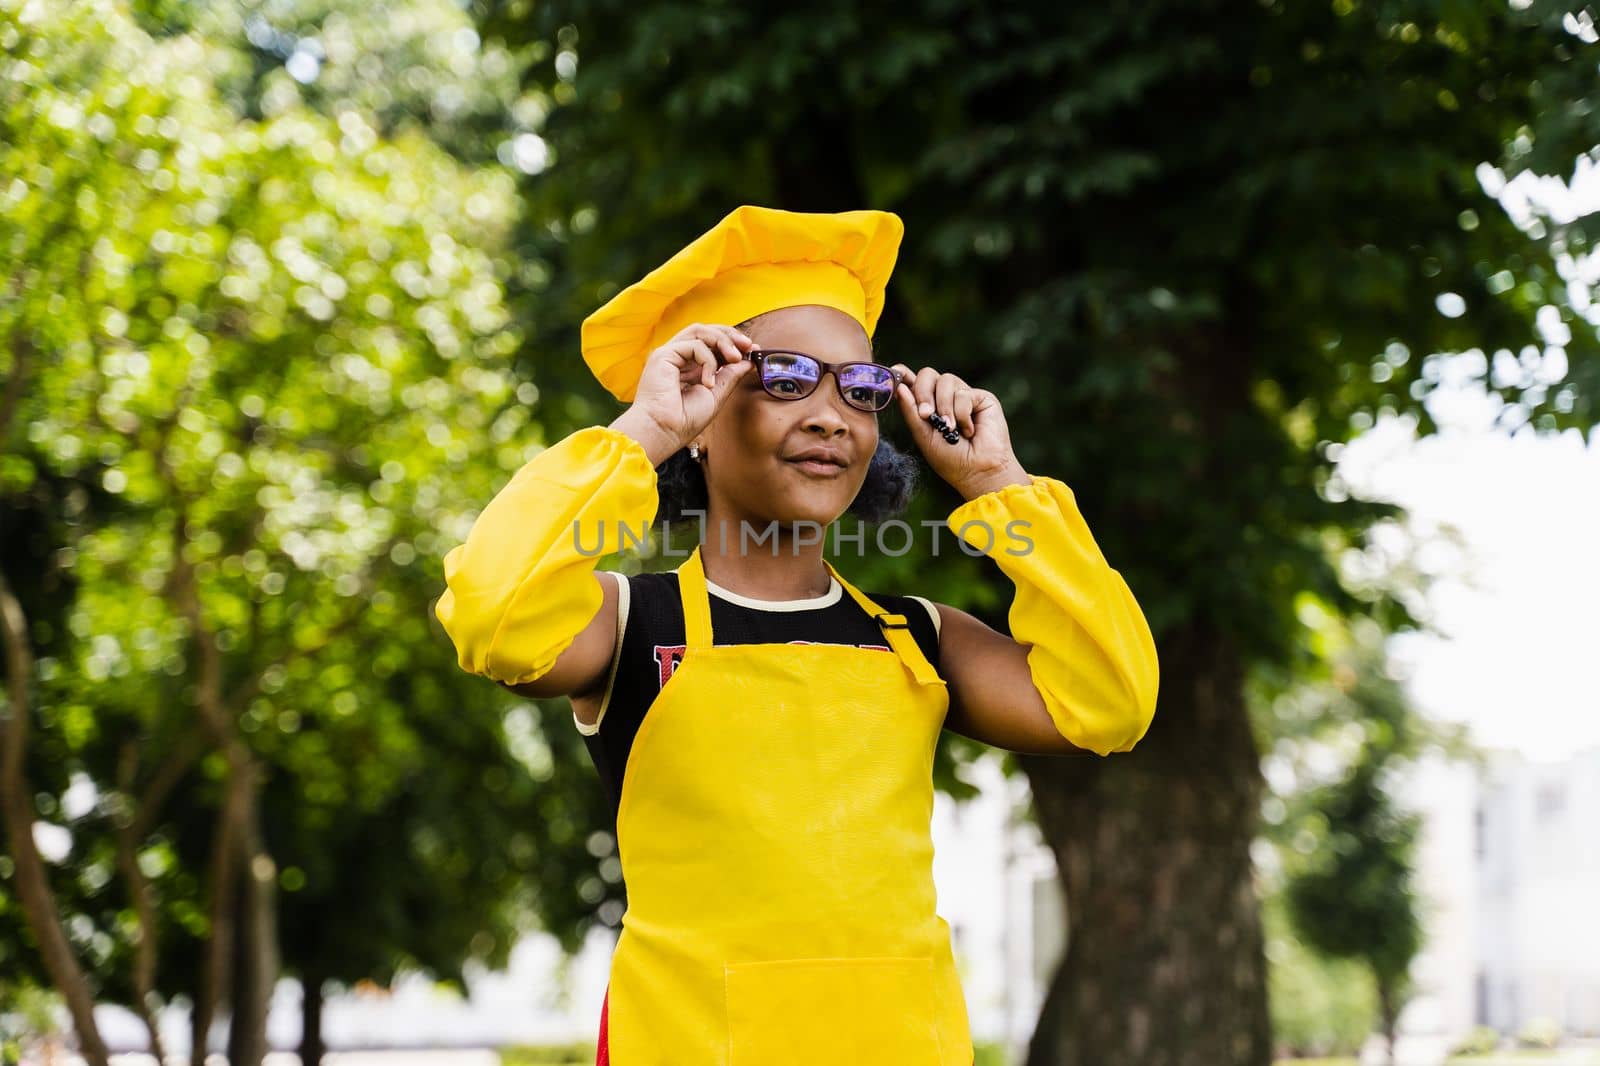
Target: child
766, 729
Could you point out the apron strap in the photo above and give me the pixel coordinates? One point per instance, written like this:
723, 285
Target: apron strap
696, 602
896, 630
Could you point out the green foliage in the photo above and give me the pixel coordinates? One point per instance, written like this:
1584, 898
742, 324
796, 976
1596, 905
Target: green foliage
1481, 1040
1320, 1005
1197, 243
1540, 1033
1353, 899
271, 328
986, 1053
546, 1054
1342, 882
28, 1014
275, 348
1194, 249
398, 63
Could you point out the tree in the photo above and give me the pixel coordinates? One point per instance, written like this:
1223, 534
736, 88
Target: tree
1345, 844
254, 385
1204, 244
1356, 900
1322, 1007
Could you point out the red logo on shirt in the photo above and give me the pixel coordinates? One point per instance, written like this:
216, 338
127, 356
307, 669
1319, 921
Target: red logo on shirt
668, 656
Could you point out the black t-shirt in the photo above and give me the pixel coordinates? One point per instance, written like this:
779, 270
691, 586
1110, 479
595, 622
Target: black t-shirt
650, 621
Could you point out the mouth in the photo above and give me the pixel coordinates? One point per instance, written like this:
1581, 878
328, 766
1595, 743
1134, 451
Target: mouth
818, 467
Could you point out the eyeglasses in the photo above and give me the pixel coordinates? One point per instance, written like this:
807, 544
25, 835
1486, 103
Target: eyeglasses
795, 375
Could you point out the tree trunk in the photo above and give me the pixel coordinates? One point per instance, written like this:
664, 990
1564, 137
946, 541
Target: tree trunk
16, 810
128, 831
1164, 964
242, 981
1389, 1015
199, 1034
311, 1020
216, 974
256, 958
236, 834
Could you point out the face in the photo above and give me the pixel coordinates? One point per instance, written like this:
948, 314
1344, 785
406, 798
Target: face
750, 470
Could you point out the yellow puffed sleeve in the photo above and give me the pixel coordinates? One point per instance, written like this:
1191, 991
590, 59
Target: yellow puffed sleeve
1092, 658
520, 590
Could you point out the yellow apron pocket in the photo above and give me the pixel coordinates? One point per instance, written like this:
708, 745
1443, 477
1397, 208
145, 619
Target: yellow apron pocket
799, 1012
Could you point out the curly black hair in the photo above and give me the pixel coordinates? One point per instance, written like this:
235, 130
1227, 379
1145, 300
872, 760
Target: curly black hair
890, 483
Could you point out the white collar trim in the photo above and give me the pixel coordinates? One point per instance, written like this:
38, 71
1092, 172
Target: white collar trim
827, 599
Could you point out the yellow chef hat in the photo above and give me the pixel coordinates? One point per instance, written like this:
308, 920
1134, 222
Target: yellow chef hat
757, 259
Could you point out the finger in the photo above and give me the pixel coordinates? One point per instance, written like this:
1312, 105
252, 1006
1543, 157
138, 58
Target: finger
684, 356
712, 337
908, 408
986, 405
684, 349
905, 380
743, 340
727, 347
696, 331
724, 339
727, 378
708, 365
704, 333
923, 390
962, 406
944, 394
698, 354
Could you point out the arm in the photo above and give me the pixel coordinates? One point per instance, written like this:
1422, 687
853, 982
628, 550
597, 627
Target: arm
524, 605
1080, 662
581, 670
992, 696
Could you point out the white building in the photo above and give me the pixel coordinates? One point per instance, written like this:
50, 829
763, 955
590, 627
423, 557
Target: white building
1509, 862
1538, 864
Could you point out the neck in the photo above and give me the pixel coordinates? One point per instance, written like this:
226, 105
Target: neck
777, 568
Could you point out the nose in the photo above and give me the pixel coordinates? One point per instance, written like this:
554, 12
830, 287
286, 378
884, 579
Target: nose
826, 410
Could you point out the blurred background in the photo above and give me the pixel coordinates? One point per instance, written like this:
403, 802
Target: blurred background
1298, 296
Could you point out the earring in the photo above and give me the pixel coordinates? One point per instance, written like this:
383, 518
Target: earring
694, 452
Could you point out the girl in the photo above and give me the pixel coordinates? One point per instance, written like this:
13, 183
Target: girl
765, 728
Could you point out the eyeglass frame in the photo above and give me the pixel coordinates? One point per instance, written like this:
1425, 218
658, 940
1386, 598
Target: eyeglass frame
758, 357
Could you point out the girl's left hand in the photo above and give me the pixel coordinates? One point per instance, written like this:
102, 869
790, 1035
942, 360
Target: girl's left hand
981, 460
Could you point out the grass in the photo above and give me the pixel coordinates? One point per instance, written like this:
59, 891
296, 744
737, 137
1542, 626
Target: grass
559, 1055
575, 1054
1496, 1058
583, 1055
1530, 1058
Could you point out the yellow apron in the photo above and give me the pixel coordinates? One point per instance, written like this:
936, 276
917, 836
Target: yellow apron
774, 835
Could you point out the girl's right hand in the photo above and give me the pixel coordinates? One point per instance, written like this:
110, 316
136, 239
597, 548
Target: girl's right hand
686, 381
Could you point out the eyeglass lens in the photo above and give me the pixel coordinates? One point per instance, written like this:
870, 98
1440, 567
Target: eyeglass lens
792, 375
